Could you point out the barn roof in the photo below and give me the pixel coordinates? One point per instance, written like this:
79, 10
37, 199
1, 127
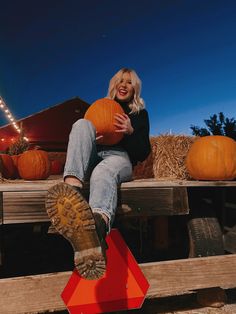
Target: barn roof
48, 128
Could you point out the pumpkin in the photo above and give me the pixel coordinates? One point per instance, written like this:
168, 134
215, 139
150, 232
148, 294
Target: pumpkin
34, 165
56, 167
8, 168
101, 114
212, 157
15, 162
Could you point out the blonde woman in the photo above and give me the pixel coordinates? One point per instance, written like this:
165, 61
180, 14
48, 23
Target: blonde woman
86, 224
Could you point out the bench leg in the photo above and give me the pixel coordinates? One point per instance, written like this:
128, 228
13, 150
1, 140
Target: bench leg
161, 233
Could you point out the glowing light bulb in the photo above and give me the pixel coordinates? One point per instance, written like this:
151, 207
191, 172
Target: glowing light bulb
8, 115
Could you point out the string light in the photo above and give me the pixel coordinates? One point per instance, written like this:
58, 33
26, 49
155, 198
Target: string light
10, 117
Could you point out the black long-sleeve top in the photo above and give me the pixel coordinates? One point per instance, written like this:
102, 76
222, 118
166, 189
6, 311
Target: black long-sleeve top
137, 144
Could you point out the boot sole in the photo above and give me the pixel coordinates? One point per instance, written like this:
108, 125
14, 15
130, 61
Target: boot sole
72, 217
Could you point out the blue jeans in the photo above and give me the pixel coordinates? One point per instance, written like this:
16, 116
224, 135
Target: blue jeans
105, 169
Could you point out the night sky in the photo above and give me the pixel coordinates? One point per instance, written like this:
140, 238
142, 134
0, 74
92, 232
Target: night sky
183, 51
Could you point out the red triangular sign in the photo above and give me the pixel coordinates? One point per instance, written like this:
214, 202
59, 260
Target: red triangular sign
122, 287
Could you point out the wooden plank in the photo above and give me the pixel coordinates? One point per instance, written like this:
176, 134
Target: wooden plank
27, 207
154, 201
41, 293
24, 207
21, 185
37, 294
181, 276
43, 185
176, 183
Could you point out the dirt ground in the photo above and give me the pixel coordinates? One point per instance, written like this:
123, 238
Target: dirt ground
186, 305
181, 305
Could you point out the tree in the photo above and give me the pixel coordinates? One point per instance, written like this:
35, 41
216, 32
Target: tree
216, 125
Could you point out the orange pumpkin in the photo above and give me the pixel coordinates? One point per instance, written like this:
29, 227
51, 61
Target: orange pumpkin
56, 167
34, 165
7, 166
101, 114
15, 162
212, 157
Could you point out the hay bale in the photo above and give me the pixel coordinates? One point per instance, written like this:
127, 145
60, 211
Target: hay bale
170, 155
144, 170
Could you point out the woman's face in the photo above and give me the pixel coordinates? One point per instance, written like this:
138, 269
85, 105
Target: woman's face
124, 89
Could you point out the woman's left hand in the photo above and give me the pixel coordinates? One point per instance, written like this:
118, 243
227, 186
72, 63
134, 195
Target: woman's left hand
98, 137
123, 124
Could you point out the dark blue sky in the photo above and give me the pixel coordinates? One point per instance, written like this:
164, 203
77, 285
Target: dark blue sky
184, 52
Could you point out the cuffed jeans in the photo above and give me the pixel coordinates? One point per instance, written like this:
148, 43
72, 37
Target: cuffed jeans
105, 169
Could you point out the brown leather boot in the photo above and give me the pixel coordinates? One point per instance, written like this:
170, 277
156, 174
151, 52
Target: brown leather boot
72, 217
102, 229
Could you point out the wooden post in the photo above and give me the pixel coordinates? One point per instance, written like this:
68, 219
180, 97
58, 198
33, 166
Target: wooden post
160, 226
218, 205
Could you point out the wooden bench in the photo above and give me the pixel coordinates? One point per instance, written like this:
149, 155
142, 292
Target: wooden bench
23, 202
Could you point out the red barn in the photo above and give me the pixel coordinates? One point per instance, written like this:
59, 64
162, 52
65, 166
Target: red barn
48, 128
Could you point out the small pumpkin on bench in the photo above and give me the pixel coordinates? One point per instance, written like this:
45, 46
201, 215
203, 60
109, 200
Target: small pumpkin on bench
56, 166
7, 167
34, 165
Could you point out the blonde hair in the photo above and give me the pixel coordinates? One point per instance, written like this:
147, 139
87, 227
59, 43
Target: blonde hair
137, 103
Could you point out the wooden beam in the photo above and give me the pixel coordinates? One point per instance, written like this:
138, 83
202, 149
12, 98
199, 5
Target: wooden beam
152, 182
185, 275
22, 185
44, 185
29, 206
24, 207
139, 197
41, 293
153, 201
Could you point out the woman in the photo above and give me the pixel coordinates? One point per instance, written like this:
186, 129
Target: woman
85, 224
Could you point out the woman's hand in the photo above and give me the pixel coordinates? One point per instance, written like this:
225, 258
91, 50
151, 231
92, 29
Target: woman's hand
123, 124
98, 137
